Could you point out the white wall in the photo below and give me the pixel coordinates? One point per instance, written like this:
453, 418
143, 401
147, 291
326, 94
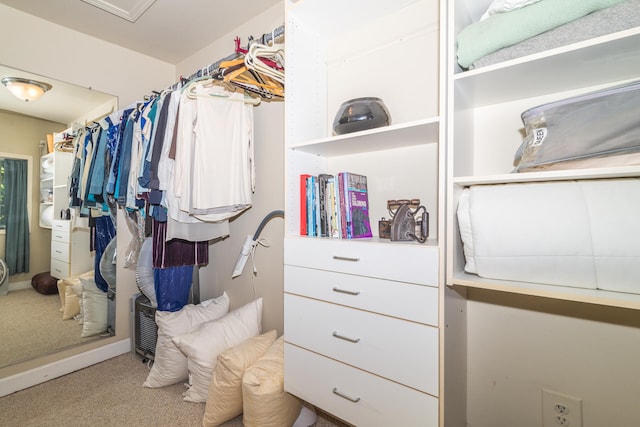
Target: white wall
269, 194
517, 345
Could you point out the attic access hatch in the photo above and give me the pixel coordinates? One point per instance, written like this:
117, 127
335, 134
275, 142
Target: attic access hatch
130, 10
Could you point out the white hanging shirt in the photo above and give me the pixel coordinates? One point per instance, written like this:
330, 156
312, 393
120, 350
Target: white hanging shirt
213, 170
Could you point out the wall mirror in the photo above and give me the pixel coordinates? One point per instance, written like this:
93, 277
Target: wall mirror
33, 325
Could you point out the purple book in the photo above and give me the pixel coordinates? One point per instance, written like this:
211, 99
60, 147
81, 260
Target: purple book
358, 224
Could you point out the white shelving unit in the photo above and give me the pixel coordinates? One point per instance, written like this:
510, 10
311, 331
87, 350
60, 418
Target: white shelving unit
337, 52
53, 184
484, 107
359, 296
70, 254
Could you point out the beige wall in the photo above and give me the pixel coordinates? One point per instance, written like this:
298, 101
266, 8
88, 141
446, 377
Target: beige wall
518, 344
21, 135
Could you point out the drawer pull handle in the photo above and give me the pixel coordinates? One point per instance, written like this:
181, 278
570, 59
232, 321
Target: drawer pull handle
342, 337
344, 396
345, 258
345, 291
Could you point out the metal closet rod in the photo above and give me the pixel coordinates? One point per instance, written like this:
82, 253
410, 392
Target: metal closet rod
209, 69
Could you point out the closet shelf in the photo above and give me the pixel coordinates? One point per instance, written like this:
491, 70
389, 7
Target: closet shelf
419, 132
557, 175
569, 67
590, 296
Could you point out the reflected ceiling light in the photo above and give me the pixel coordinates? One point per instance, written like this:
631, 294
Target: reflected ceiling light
25, 89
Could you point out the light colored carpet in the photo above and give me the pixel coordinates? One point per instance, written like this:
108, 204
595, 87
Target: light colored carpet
31, 325
109, 394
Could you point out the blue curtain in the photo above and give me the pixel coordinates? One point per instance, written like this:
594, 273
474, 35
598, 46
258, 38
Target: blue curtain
17, 219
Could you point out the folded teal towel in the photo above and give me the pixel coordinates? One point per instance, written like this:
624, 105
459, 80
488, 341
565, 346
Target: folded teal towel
506, 29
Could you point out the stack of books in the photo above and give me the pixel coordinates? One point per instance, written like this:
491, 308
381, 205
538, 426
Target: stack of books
334, 206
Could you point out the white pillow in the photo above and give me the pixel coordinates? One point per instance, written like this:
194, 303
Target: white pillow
94, 308
77, 290
170, 365
203, 345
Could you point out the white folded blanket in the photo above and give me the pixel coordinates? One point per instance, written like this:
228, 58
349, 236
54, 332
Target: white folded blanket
571, 233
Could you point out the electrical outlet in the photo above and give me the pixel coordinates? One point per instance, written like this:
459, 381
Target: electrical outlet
560, 410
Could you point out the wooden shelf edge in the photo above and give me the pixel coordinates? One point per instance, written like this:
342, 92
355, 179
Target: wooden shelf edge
589, 296
556, 175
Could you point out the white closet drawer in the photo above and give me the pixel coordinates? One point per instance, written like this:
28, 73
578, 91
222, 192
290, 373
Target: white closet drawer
60, 251
60, 269
367, 400
402, 351
60, 235
61, 226
405, 262
398, 299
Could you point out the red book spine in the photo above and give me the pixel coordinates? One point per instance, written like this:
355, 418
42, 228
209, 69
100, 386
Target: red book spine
303, 204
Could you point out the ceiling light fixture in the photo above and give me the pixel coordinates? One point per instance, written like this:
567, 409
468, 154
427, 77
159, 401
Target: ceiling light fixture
25, 89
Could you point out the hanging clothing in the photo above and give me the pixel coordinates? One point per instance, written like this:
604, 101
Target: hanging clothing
176, 252
172, 286
216, 148
103, 232
183, 158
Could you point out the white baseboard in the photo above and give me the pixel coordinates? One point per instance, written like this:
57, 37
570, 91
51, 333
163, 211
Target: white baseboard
25, 284
57, 369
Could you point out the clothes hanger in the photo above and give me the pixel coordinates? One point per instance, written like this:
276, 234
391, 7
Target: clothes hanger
193, 93
244, 52
256, 60
245, 78
240, 74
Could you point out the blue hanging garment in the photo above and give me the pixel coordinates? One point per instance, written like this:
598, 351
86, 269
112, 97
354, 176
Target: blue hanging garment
172, 285
104, 233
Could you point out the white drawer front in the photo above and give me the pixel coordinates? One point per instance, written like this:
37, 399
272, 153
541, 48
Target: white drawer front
355, 396
399, 299
405, 262
402, 351
60, 235
60, 251
59, 269
61, 225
